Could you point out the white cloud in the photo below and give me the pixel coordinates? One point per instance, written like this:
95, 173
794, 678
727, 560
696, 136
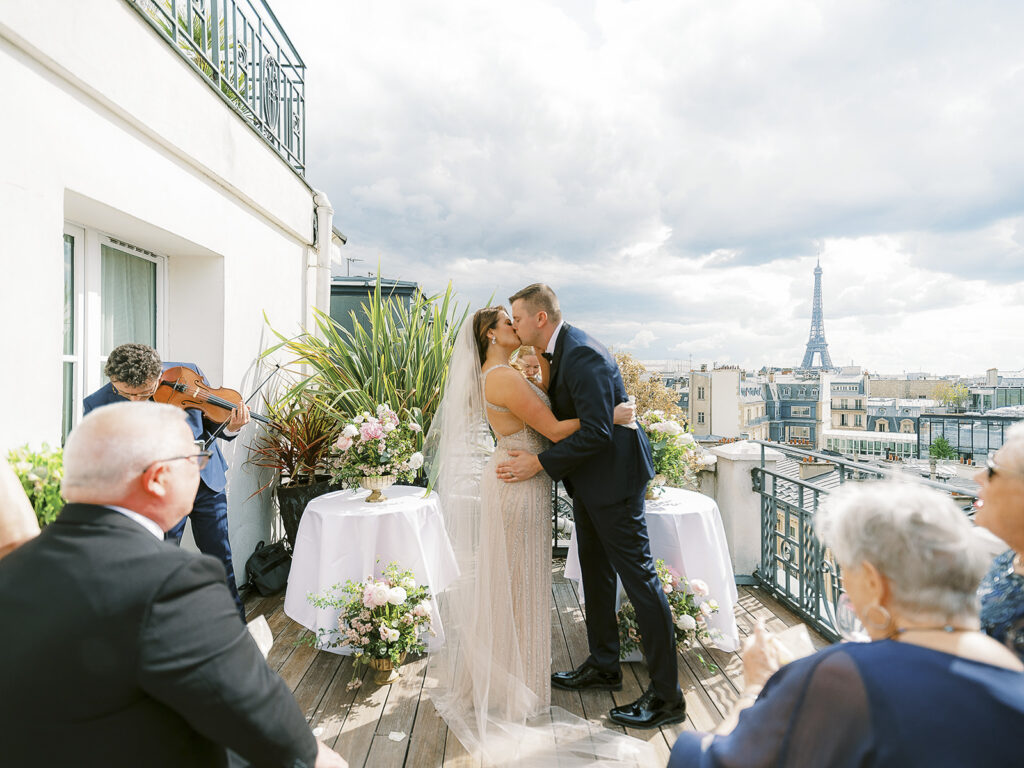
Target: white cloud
673, 167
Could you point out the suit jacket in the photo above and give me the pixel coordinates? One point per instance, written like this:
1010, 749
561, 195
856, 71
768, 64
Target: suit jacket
214, 473
603, 461
120, 649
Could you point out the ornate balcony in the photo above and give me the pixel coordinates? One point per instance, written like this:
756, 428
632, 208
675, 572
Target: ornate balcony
241, 50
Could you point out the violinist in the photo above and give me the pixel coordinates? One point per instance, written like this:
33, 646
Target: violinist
135, 371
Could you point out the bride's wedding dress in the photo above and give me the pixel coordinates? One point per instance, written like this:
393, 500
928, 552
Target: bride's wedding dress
491, 681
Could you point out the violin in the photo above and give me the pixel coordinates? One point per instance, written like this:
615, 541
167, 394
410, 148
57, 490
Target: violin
185, 388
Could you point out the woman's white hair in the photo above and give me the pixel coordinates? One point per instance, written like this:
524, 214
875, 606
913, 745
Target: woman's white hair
1014, 439
115, 443
916, 537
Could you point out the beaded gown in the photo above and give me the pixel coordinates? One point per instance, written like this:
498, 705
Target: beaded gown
525, 538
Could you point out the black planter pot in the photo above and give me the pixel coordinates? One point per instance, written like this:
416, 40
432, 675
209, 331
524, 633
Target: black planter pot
292, 499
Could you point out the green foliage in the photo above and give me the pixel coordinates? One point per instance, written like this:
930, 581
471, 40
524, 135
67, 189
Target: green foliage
397, 354
953, 395
297, 446
677, 456
690, 606
380, 618
40, 473
941, 449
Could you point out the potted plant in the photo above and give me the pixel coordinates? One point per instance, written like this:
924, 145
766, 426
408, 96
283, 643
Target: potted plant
40, 473
382, 620
297, 447
691, 605
376, 449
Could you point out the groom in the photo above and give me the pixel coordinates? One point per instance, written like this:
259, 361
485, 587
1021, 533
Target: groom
605, 468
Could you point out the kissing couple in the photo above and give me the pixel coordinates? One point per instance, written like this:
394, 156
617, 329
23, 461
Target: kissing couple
494, 673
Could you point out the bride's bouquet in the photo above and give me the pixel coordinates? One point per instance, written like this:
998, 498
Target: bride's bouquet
691, 605
381, 619
376, 444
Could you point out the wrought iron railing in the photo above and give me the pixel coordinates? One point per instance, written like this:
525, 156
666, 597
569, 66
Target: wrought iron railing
242, 51
795, 567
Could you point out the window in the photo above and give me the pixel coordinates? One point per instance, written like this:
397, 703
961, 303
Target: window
881, 425
907, 425
844, 404
858, 405
857, 420
700, 393
802, 433
700, 417
842, 420
129, 284
803, 411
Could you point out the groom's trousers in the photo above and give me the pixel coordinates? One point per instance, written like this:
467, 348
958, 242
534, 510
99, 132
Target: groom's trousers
612, 538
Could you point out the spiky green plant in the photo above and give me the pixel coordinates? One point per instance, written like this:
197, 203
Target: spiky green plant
397, 353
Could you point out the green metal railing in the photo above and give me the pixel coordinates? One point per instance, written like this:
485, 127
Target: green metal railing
242, 51
795, 567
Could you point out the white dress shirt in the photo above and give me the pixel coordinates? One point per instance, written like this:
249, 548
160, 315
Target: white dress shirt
145, 522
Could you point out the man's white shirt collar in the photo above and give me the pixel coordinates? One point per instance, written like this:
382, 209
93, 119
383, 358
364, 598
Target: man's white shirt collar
145, 522
554, 338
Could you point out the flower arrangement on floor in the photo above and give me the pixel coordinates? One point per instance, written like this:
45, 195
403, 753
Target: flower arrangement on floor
691, 606
373, 445
380, 619
677, 456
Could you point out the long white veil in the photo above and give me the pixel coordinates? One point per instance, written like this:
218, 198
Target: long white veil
482, 695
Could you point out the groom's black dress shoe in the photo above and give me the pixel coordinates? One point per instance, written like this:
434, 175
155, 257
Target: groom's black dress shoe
649, 711
587, 678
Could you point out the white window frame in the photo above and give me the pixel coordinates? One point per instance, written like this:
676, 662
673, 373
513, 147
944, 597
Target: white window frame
800, 411
88, 328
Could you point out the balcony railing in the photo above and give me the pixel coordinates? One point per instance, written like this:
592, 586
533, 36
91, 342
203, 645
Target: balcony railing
241, 50
795, 567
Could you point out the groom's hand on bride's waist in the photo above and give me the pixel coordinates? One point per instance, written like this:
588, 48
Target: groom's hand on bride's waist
521, 465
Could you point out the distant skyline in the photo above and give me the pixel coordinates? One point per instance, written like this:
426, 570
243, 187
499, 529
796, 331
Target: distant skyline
673, 169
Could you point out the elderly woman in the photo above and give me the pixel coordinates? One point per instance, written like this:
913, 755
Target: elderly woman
17, 519
1001, 510
929, 689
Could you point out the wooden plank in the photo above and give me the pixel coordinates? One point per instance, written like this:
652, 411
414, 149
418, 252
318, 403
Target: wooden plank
786, 615
360, 724
311, 689
398, 715
426, 741
330, 713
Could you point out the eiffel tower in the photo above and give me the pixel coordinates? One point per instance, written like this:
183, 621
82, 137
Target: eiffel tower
816, 344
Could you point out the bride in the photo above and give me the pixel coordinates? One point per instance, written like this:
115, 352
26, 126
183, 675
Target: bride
494, 686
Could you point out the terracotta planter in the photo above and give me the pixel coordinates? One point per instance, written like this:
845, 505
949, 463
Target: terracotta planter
292, 499
385, 673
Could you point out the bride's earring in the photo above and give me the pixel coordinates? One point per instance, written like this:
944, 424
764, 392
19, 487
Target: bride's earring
493, 340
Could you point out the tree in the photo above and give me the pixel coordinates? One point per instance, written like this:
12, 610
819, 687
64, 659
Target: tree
650, 393
941, 449
953, 395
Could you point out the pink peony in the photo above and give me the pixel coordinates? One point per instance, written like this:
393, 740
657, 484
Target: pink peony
371, 430
343, 443
699, 587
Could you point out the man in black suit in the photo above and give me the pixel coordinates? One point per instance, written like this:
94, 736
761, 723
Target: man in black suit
605, 468
134, 371
121, 649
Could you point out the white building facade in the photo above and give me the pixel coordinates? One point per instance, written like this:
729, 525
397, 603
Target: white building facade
137, 204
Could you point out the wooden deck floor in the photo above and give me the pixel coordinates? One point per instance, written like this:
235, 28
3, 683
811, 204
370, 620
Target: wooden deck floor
364, 725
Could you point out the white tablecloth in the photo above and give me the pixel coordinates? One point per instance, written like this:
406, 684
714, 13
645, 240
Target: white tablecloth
686, 532
341, 537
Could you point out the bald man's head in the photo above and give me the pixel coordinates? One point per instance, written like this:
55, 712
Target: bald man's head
131, 455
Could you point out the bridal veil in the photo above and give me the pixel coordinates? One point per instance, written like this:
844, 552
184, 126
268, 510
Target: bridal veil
481, 691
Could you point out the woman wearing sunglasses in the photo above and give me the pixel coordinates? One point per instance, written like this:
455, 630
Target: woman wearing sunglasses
929, 689
1001, 510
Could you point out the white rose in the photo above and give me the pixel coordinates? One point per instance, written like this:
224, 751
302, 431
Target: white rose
379, 593
416, 460
414, 426
673, 428
686, 623
713, 604
350, 430
358, 419
685, 438
705, 608
388, 426
699, 587
396, 596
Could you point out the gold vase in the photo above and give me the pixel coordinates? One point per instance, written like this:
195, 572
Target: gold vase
375, 484
385, 673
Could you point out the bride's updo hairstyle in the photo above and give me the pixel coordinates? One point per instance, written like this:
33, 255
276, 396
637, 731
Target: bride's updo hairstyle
483, 321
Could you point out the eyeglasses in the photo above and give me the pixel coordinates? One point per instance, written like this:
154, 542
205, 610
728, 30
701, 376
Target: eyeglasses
202, 458
994, 469
135, 395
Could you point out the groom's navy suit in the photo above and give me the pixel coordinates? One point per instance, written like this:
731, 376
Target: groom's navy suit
209, 514
605, 468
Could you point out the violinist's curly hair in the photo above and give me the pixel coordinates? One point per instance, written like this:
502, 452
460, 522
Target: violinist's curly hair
133, 364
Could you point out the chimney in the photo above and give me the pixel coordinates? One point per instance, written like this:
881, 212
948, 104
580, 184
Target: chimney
992, 377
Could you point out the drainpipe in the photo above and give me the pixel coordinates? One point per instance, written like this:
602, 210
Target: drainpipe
318, 265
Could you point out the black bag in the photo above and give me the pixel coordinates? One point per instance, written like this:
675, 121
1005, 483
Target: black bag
267, 568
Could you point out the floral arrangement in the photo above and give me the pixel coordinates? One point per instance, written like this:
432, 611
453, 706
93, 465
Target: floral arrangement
40, 473
691, 606
376, 444
677, 456
382, 618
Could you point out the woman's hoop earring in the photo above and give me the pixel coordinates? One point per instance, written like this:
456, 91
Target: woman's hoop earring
878, 626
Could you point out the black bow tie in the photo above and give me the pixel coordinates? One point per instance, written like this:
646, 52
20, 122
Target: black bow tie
547, 356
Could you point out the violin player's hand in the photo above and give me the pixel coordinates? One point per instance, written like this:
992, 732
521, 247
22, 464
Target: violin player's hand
239, 418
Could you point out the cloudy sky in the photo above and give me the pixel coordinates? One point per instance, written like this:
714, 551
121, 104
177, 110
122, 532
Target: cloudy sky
673, 168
